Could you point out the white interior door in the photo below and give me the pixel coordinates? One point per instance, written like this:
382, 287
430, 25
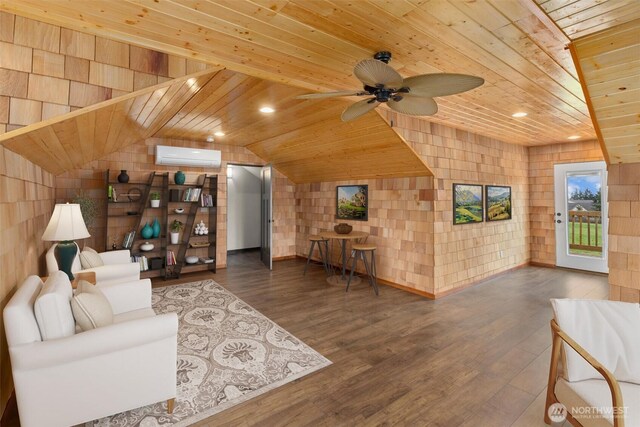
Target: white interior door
266, 217
581, 216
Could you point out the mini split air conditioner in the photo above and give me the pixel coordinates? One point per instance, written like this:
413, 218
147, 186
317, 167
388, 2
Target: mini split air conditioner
180, 156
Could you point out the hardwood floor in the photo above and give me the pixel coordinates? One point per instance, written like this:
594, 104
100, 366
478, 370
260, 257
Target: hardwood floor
476, 358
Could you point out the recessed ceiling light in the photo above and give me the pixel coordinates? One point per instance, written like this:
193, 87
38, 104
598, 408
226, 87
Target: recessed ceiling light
267, 110
519, 114
209, 138
219, 133
573, 137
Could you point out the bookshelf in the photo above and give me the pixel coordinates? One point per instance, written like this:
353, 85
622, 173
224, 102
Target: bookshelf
128, 211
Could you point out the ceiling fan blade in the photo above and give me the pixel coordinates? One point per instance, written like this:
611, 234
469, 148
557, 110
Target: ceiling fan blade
414, 106
441, 84
372, 72
331, 94
358, 109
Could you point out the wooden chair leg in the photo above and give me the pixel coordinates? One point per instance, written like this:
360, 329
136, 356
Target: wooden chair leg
375, 273
353, 268
323, 257
170, 405
309, 257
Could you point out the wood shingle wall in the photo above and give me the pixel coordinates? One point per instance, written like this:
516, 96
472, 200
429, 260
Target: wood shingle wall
47, 71
624, 232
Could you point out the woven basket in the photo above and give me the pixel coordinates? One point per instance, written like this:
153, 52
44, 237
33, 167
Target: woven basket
343, 228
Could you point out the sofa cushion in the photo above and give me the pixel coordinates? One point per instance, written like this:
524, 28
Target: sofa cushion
90, 259
133, 315
608, 330
52, 308
91, 308
590, 401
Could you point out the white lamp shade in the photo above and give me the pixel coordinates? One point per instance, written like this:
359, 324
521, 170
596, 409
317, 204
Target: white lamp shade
66, 223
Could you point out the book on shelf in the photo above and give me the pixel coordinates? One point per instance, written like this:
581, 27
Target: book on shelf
191, 195
207, 260
127, 242
171, 258
142, 261
206, 200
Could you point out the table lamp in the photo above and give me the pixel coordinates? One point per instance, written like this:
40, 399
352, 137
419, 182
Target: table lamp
65, 226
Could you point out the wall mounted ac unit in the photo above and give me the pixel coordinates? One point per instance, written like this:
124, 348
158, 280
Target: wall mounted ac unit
180, 156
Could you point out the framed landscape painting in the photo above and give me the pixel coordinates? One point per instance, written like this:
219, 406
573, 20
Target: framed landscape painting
498, 202
467, 204
352, 202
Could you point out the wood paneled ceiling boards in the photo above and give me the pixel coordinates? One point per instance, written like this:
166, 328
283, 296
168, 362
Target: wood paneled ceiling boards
515, 46
307, 143
314, 45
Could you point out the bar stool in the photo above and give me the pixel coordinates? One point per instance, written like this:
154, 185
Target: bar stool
360, 250
320, 241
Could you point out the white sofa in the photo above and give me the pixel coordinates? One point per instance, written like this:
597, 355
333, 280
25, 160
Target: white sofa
598, 345
117, 266
88, 375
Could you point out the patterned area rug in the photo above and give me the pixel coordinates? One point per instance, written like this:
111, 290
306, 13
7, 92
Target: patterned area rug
227, 353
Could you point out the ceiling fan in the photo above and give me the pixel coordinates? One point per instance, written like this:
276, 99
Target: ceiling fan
413, 95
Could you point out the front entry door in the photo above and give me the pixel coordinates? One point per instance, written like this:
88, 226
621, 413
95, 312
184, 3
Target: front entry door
266, 217
581, 216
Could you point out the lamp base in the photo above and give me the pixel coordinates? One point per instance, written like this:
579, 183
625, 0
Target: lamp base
65, 252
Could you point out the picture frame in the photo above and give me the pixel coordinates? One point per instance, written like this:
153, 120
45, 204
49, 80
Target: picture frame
468, 204
498, 203
352, 202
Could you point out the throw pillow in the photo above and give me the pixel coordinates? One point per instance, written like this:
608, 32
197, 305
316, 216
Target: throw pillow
90, 307
88, 249
52, 309
90, 259
608, 330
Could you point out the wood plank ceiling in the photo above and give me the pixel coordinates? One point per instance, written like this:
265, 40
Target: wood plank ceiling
304, 143
314, 45
581, 18
609, 61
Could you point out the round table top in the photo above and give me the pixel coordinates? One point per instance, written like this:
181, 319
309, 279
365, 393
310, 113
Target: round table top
351, 236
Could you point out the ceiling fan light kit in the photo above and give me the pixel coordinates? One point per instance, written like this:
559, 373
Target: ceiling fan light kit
412, 96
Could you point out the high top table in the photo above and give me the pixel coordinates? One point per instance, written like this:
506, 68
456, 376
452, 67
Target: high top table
342, 238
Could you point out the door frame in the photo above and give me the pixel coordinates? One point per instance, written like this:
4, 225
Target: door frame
266, 216
563, 258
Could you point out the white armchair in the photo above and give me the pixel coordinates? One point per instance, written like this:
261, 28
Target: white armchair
117, 266
79, 377
600, 381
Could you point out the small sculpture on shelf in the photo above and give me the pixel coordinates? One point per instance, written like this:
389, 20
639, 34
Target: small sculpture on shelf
147, 231
179, 178
156, 228
123, 177
201, 229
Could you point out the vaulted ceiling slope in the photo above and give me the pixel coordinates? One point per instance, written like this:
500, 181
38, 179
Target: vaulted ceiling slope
581, 18
306, 141
609, 61
315, 44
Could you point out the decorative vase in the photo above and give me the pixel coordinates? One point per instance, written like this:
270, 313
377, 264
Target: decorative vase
123, 177
343, 228
179, 177
156, 228
146, 247
175, 238
146, 232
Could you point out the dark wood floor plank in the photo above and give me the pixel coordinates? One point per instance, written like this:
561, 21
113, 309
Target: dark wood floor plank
476, 358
